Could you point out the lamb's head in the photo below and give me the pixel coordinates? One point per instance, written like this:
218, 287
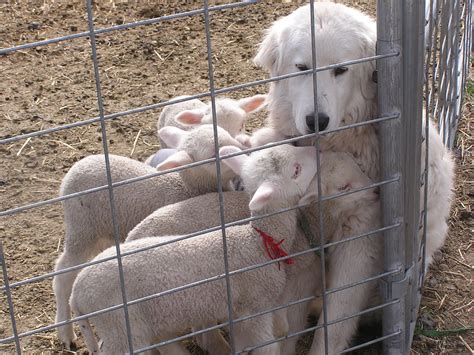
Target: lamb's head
340, 173
280, 176
231, 114
196, 145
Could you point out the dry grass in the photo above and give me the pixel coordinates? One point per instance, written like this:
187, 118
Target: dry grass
446, 316
53, 85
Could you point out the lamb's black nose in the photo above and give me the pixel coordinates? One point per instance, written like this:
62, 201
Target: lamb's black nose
322, 118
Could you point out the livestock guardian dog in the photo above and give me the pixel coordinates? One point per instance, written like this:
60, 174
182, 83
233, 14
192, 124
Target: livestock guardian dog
345, 95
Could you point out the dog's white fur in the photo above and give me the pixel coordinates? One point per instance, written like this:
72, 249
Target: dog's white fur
342, 34
349, 35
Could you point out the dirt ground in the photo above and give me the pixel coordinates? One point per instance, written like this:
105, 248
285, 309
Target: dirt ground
54, 85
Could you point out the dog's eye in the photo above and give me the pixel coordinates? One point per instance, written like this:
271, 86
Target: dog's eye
302, 67
297, 171
340, 70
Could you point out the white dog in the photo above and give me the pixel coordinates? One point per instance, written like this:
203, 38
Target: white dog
345, 95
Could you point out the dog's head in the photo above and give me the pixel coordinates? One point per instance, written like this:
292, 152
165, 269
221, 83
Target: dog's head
345, 94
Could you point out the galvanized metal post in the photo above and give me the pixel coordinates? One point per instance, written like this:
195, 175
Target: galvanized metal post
413, 79
390, 100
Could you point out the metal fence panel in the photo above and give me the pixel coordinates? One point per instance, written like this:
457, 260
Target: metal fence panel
402, 37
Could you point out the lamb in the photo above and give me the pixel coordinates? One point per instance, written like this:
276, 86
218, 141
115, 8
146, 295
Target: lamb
264, 174
303, 279
87, 218
230, 114
167, 220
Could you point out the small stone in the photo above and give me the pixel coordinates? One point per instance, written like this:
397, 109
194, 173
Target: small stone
427, 321
31, 164
73, 28
433, 282
34, 26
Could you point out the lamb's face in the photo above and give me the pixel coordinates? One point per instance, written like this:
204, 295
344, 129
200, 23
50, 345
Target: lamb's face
195, 145
290, 169
199, 144
339, 173
230, 116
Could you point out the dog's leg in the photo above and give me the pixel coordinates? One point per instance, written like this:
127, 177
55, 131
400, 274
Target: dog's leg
349, 262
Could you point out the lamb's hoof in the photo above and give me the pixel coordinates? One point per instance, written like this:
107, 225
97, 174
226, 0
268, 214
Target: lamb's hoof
67, 339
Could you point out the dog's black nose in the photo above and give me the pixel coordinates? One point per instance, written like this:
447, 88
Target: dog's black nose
322, 118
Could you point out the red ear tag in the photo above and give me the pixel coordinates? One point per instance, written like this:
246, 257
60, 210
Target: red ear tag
273, 249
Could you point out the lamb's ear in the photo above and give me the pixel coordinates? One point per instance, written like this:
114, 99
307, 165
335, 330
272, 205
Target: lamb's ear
172, 136
237, 143
262, 196
253, 103
177, 159
235, 163
190, 117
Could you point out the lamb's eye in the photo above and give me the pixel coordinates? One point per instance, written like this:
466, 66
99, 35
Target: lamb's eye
297, 171
340, 70
302, 67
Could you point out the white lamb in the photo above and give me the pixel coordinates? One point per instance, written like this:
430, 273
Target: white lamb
302, 280
87, 219
230, 114
278, 177
187, 217
168, 220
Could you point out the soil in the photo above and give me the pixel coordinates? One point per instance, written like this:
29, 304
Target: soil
54, 85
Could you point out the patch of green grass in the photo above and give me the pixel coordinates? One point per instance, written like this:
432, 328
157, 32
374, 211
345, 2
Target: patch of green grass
437, 333
470, 88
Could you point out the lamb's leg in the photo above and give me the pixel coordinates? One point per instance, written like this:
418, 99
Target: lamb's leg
349, 262
254, 332
173, 349
213, 342
89, 337
297, 318
62, 286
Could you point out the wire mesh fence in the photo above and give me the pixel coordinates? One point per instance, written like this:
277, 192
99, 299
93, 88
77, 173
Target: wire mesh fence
399, 82
448, 37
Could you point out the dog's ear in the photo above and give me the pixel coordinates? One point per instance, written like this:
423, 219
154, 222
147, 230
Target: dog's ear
268, 51
367, 84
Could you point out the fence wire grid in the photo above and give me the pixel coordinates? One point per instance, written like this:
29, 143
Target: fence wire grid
440, 41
